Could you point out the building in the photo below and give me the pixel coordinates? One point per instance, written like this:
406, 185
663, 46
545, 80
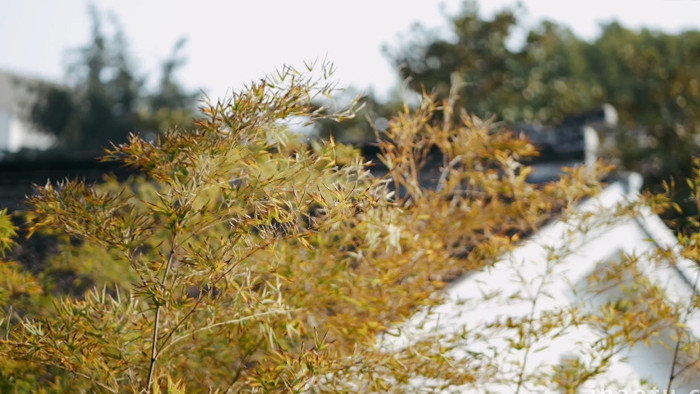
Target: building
567, 253
17, 94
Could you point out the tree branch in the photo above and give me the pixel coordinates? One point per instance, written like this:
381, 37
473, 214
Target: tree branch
156, 325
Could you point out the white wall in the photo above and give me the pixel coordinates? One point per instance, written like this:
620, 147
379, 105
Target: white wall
506, 289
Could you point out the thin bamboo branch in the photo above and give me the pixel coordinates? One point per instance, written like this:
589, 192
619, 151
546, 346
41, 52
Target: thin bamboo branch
673, 373
223, 323
530, 319
217, 280
156, 325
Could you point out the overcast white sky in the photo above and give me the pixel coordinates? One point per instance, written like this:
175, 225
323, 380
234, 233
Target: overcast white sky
232, 42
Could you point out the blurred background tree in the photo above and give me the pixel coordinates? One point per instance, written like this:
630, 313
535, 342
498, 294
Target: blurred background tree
536, 83
651, 78
107, 98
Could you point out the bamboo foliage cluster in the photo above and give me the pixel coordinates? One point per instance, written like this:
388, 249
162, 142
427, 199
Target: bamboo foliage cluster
246, 260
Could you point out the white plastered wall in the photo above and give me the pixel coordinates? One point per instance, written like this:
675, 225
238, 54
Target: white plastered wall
505, 290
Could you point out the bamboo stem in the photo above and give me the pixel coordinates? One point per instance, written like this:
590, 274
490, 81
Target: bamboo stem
156, 325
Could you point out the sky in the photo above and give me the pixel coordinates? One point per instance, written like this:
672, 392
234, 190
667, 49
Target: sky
233, 42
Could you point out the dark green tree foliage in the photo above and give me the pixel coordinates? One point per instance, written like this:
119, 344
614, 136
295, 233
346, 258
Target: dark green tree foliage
107, 99
540, 82
654, 81
170, 103
652, 78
